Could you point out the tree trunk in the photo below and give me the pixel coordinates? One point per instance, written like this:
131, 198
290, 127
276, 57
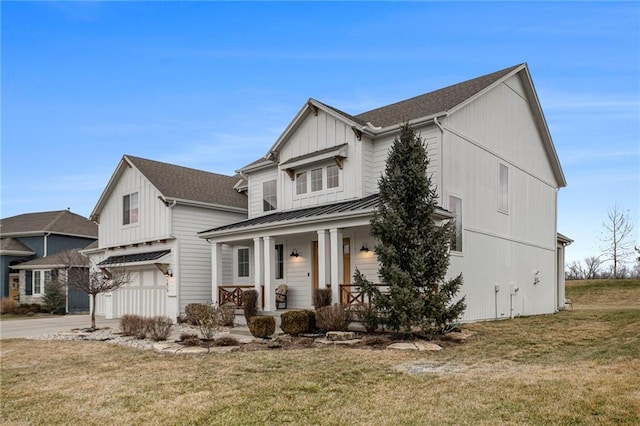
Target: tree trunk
93, 311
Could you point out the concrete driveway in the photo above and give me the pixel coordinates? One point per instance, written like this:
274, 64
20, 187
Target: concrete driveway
33, 327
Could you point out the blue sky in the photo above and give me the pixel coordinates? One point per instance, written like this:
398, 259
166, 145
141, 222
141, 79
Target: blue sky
212, 85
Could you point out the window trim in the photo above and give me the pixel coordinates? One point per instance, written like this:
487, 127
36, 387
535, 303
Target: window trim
503, 188
45, 277
301, 188
337, 176
457, 224
126, 208
271, 199
240, 269
279, 262
315, 180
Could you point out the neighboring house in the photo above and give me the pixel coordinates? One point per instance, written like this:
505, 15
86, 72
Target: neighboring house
497, 175
148, 216
35, 235
38, 274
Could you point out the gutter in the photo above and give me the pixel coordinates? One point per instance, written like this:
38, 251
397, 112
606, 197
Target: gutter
46, 242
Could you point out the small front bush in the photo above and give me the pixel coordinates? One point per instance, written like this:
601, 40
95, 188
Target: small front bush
369, 317
190, 339
194, 311
226, 314
226, 341
205, 317
333, 318
312, 320
294, 322
8, 306
262, 326
159, 328
321, 297
131, 324
250, 301
55, 299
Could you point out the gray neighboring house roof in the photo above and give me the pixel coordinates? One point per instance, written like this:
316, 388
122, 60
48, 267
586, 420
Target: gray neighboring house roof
431, 103
58, 260
11, 246
181, 184
62, 222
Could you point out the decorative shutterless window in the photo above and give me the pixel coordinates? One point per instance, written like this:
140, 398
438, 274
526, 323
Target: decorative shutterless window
333, 179
301, 183
243, 262
279, 261
316, 180
455, 207
41, 279
503, 189
130, 208
269, 196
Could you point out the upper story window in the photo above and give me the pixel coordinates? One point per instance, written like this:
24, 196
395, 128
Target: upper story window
316, 180
269, 196
301, 183
279, 261
130, 208
455, 207
333, 180
243, 262
503, 189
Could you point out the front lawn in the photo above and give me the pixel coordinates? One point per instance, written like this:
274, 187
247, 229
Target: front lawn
580, 366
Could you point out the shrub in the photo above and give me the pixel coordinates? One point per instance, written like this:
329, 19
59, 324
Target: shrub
250, 299
312, 319
321, 297
369, 317
205, 317
8, 306
190, 339
133, 325
34, 307
375, 340
55, 299
226, 341
294, 322
159, 328
262, 326
226, 314
334, 318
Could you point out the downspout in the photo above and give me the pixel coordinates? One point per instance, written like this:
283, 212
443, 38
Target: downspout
46, 243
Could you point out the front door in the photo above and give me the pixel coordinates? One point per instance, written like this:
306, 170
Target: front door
14, 286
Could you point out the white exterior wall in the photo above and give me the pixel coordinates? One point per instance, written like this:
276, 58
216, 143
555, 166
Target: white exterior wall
501, 248
256, 179
153, 219
192, 270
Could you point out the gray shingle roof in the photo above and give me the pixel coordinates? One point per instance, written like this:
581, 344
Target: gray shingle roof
11, 244
431, 103
190, 184
57, 222
66, 258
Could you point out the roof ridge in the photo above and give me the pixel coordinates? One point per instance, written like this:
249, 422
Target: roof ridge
176, 165
49, 225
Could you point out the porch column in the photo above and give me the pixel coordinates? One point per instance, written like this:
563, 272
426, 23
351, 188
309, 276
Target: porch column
216, 270
257, 268
269, 275
336, 263
322, 259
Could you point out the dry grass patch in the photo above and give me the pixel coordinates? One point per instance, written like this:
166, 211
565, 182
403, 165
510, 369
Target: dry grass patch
575, 367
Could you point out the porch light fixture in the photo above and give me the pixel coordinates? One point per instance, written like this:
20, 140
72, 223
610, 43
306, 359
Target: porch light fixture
294, 253
364, 248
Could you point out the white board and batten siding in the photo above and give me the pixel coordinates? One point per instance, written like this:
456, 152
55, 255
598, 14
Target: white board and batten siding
509, 245
153, 215
193, 258
256, 181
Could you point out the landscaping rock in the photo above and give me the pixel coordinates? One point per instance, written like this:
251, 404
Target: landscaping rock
418, 345
340, 335
427, 346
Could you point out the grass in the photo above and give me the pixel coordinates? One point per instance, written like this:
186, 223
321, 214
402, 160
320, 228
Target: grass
580, 366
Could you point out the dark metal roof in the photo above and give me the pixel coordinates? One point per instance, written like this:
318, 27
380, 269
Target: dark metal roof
314, 154
130, 258
366, 203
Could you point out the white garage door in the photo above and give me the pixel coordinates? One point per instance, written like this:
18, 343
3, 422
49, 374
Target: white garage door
146, 295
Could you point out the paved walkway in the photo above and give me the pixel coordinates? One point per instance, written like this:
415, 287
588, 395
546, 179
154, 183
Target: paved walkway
33, 327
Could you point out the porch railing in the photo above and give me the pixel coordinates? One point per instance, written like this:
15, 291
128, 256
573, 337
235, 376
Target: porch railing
350, 295
232, 294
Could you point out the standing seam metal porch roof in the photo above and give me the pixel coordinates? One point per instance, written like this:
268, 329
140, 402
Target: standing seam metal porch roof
137, 257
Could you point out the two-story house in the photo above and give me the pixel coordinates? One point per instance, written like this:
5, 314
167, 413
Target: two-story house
31, 237
492, 160
148, 217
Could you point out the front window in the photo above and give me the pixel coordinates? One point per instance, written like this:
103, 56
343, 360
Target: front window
130, 208
279, 261
301, 183
41, 279
503, 190
455, 206
243, 262
316, 180
333, 180
269, 196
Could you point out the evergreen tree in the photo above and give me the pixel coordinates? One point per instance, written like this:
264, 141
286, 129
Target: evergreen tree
412, 249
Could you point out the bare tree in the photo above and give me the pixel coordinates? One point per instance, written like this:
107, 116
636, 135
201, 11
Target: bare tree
79, 276
618, 230
592, 270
